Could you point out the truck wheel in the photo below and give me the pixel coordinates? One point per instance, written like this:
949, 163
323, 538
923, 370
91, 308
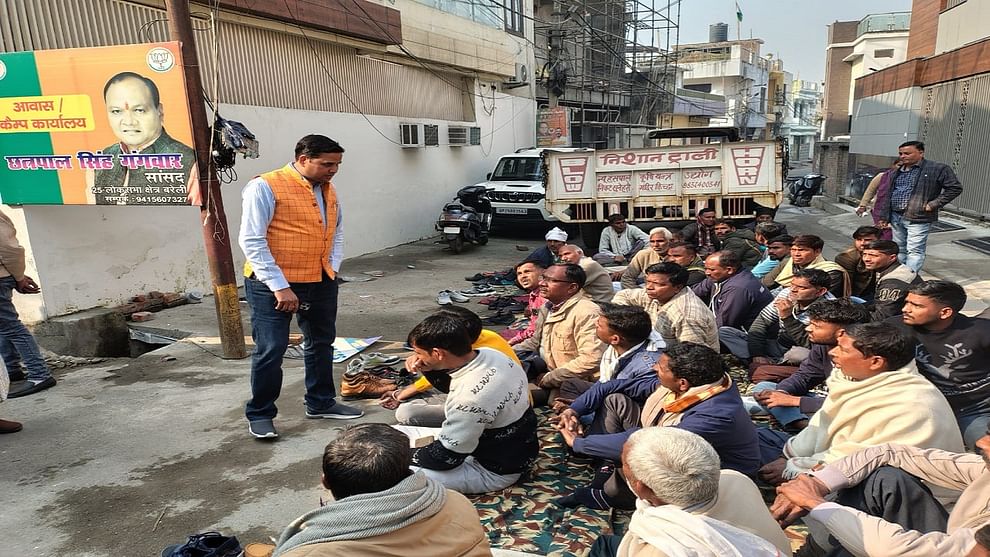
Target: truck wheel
456, 244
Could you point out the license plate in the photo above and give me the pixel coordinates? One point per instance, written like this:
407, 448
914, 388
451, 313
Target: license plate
511, 210
451, 230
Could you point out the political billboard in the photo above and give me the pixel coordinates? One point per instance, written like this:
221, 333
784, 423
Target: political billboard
96, 126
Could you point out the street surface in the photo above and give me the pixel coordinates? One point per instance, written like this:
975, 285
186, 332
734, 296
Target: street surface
128, 456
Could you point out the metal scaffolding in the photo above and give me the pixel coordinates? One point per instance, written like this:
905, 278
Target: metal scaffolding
611, 61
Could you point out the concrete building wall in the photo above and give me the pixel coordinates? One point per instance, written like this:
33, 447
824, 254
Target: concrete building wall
832, 160
863, 59
882, 122
90, 256
86, 256
445, 38
962, 24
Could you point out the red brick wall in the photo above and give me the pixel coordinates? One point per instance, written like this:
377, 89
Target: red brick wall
924, 27
835, 101
969, 60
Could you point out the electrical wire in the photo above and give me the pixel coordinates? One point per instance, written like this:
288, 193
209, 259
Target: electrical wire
650, 81
326, 70
398, 44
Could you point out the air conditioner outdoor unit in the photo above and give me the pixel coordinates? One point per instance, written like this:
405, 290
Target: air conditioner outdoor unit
518, 80
458, 136
410, 135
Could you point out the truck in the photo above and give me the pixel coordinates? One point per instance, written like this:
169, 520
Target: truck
515, 188
711, 168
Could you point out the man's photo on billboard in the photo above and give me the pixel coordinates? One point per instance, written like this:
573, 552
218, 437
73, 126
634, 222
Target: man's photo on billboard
149, 166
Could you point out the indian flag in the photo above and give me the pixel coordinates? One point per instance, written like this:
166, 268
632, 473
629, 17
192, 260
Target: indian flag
738, 12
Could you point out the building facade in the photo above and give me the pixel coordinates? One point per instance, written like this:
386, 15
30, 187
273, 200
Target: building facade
855, 49
736, 71
804, 118
350, 69
940, 95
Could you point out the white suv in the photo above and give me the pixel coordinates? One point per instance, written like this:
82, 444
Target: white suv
515, 188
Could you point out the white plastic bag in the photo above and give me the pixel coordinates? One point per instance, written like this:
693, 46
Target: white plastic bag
4, 381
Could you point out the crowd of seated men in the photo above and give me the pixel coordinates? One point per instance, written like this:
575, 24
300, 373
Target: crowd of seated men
875, 387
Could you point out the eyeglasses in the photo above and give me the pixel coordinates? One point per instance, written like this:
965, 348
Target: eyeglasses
545, 279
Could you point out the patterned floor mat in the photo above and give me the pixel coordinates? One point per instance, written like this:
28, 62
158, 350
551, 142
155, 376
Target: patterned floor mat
525, 518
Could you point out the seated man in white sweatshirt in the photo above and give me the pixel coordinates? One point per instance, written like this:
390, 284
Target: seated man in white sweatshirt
488, 436
876, 396
685, 502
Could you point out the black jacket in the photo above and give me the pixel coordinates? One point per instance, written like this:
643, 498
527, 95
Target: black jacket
936, 185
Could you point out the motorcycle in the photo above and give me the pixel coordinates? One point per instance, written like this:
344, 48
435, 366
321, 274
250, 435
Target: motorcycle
801, 190
467, 219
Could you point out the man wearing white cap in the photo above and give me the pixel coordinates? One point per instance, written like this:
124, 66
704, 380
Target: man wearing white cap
548, 254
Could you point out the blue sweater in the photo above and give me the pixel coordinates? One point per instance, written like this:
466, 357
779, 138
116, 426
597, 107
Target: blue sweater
721, 420
634, 377
740, 299
814, 370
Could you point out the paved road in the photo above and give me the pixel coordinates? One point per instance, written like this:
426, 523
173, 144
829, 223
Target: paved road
124, 458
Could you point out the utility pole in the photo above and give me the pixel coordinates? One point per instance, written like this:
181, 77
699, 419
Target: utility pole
212, 214
554, 87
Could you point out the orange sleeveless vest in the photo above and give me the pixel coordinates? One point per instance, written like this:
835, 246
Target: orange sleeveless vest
296, 236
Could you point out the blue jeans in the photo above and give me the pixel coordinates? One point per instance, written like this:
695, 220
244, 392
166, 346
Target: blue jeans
270, 331
784, 414
974, 422
911, 239
16, 343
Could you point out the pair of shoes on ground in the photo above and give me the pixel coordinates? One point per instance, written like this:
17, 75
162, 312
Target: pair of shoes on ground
490, 276
500, 318
365, 384
401, 377
586, 497
446, 297
265, 428
477, 291
371, 361
29, 387
7, 426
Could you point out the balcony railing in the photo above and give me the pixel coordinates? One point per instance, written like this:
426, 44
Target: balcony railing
884, 23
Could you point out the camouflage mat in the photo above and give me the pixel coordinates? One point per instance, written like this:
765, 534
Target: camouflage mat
525, 518
798, 532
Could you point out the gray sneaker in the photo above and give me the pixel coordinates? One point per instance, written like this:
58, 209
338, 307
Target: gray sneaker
262, 429
337, 412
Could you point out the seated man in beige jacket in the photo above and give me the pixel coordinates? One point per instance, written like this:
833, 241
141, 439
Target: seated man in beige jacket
660, 238
565, 345
597, 282
847, 498
685, 502
380, 507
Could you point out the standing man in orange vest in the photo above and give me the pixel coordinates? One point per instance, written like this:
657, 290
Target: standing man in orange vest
292, 237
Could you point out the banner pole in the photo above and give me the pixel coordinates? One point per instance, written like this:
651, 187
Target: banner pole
216, 232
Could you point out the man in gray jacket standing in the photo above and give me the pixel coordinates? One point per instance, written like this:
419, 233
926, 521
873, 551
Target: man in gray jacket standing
918, 190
